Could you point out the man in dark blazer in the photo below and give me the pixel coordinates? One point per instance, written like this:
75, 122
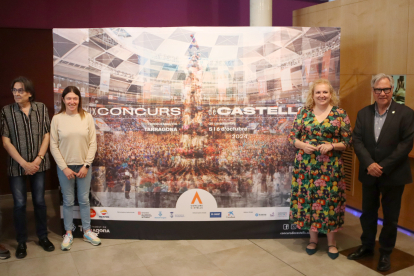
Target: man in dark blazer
383, 138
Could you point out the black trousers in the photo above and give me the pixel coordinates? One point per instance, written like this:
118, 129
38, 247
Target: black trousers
391, 205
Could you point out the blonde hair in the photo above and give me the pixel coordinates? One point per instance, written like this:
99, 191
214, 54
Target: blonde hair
310, 103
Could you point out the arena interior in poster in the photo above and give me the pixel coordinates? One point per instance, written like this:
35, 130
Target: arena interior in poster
192, 122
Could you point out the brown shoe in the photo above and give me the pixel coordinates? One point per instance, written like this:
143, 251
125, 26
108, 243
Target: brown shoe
4, 253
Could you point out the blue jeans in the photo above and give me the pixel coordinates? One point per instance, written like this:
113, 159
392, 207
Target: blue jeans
68, 192
19, 191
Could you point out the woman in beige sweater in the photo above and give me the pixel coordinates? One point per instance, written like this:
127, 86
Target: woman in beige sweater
73, 146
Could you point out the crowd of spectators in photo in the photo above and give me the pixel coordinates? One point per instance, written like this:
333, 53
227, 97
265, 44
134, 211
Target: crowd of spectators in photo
238, 172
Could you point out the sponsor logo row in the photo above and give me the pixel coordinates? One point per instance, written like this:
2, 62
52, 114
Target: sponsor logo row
101, 214
164, 214
197, 207
230, 214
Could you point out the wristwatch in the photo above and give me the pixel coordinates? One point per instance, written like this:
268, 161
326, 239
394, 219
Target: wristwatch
41, 157
86, 166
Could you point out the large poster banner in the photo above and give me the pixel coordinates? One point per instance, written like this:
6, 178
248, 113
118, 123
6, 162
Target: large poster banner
192, 122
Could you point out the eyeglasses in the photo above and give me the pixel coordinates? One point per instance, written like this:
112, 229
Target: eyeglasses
20, 91
379, 90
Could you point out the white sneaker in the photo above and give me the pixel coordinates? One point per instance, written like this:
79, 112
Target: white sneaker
67, 242
91, 237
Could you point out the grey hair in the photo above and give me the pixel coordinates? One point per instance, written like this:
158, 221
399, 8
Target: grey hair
380, 76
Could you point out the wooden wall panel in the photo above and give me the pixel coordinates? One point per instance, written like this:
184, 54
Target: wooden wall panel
364, 61
409, 88
354, 93
391, 35
301, 20
377, 36
410, 54
338, 17
407, 206
319, 18
331, 5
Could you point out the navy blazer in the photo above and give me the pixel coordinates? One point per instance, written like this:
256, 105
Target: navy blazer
392, 148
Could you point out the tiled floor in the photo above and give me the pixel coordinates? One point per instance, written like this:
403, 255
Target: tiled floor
285, 257
400, 260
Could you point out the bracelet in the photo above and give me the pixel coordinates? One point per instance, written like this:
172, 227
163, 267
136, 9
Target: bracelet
333, 147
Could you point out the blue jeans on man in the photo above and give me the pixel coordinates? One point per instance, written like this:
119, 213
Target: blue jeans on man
19, 191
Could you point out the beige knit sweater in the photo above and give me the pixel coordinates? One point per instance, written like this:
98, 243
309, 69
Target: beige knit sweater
72, 140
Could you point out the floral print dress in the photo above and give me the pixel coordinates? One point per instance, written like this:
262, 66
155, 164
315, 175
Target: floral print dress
318, 196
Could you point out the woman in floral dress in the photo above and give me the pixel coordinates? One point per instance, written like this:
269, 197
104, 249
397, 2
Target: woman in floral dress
320, 132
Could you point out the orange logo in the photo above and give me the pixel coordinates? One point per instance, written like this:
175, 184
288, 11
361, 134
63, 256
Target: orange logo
104, 212
93, 213
196, 196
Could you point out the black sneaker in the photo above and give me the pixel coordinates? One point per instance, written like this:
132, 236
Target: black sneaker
4, 253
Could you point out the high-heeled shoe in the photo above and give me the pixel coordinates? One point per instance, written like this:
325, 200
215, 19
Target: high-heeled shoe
333, 256
312, 251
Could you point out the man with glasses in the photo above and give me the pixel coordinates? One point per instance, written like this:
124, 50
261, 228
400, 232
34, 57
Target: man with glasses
383, 138
25, 128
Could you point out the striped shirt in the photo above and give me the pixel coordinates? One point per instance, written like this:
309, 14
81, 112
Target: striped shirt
26, 134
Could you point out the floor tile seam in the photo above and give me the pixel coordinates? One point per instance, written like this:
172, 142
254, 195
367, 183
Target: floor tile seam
73, 261
134, 252
13, 260
224, 250
142, 261
96, 247
149, 271
172, 249
360, 266
218, 268
9, 263
201, 254
7, 267
251, 243
278, 258
143, 265
116, 272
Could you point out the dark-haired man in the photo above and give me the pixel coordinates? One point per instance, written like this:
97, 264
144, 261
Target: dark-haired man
25, 127
383, 138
